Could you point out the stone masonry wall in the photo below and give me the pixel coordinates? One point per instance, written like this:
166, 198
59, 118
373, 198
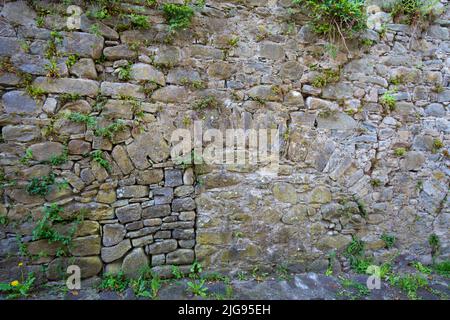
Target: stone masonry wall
98, 135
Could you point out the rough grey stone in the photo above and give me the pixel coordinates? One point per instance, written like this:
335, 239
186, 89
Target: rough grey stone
183, 204
152, 176
142, 241
336, 91
129, 213
171, 94
132, 192
413, 160
37, 65
167, 56
120, 156
156, 211
158, 260
285, 192
291, 70
307, 34
119, 52
46, 150
180, 257
84, 68
173, 178
20, 103
117, 109
113, 234
164, 246
163, 195
117, 90
337, 121
272, 51
86, 45
183, 76
435, 110
145, 72
104, 30
183, 234
21, 133
110, 254
221, 70
19, 13
6, 29
148, 145
66, 85
134, 262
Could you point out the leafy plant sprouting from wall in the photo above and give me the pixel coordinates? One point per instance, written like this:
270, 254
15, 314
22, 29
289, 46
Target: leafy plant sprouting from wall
40, 185
179, 16
19, 288
44, 228
98, 157
335, 18
91, 122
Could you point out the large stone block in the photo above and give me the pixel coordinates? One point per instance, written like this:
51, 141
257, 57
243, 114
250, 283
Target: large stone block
164, 246
117, 90
156, 211
134, 263
37, 65
46, 150
82, 87
129, 213
285, 192
19, 102
145, 72
9, 46
171, 94
132, 192
86, 45
117, 109
110, 254
113, 234
152, 176
183, 204
85, 246
19, 13
120, 156
20, 133
180, 257
148, 145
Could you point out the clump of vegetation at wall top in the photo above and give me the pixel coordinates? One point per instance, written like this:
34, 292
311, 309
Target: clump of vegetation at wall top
413, 11
335, 18
178, 16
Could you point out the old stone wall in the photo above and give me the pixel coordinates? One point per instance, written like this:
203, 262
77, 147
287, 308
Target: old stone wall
87, 116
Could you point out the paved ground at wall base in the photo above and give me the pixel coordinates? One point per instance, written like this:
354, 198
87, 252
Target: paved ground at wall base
307, 286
